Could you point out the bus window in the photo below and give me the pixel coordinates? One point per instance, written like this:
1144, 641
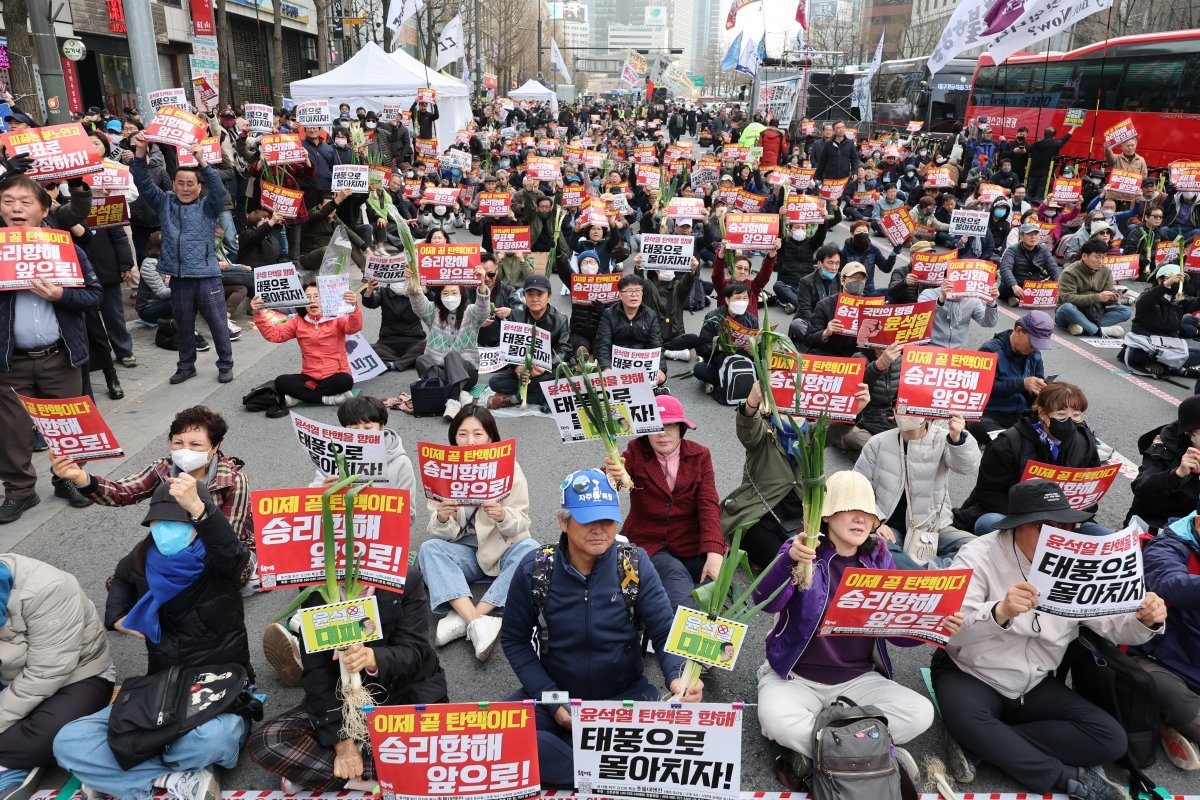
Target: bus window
1097, 75
1151, 83
1060, 81
1188, 100
985, 82
1013, 86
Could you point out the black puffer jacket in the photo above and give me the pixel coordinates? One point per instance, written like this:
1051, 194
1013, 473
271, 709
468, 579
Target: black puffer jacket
259, 246
643, 332
1158, 311
884, 384
108, 250
555, 322
795, 259
1158, 493
205, 623
585, 319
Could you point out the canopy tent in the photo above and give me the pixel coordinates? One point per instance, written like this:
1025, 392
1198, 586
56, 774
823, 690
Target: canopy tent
373, 77
532, 90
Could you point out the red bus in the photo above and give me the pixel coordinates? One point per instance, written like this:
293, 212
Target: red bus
1154, 79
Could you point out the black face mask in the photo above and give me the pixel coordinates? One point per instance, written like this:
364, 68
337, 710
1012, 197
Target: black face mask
1061, 429
862, 239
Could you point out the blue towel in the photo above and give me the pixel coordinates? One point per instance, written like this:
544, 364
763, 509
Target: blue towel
167, 578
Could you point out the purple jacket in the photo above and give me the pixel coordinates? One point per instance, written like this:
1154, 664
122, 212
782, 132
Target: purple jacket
800, 613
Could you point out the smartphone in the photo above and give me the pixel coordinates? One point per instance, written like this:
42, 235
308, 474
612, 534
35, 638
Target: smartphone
1052, 378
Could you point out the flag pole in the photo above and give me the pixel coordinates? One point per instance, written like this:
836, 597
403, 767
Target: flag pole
1100, 85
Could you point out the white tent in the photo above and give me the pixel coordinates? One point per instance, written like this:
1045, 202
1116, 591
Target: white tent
532, 90
373, 77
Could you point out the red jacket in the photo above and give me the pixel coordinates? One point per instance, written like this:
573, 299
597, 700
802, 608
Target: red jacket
322, 343
687, 521
774, 144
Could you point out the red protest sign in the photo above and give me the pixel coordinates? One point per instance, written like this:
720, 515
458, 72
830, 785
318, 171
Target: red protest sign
1083, 486
751, 231
898, 225
112, 175
804, 209
291, 549
686, 208
832, 190
1123, 268
426, 94
510, 238
802, 177
1120, 133
1167, 251
73, 427
543, 168
469, 475
573, 196
595, 288
864, 199
1123, 181
1191, 258
971, 277
441, 195
210, 146
1185, 175
883, 326
58, 151
749, 201
648, 177
412, 188
930, 268
739, 334
1067, 190
282, 148
495, 204
894, 602
468, 751
175, 126
427, 150
108, 211
645, 154
939, 381
939, 178
1040, 294
45, 253
849, 310
816, 385
448, 264
283, 201
991, 191
914, 126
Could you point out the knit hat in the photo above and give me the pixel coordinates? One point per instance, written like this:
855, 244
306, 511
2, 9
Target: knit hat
589, 254
849, 491
1189, 414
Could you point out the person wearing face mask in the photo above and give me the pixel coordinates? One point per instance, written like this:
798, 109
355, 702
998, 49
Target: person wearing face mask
177, 591
999, 225
736, 309
585, 316
1167, 485
814, 287
741, 273
1181, 215
1006, 176
795, 259
1143, 239
259, 241
401, 336
826, 334
858, 247
1017, 152
952, 316
451, 347
890, 200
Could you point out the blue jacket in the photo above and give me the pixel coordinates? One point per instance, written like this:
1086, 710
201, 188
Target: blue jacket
188, 229
1012, 368
595, 653
323, 157
69, 311
870, 258
1166, 559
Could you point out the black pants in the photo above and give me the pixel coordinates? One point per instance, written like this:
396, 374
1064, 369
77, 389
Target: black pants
687, 341
460, 374
28, 742
311, 390
1179, 703
399, 355
1039, 739
981, 428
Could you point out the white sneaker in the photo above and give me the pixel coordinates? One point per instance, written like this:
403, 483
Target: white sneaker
194, 784
908, 764
678, 355
452, 408
484, 633
465, 398
336, 399
291, 401
1075, 329
1113, 331
450, 628
232, 328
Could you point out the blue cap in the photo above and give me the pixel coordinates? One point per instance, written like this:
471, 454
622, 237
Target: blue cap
592, 254
590, 497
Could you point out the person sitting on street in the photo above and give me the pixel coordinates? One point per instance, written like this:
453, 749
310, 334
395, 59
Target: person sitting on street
826, 334
505, 297
859, 248
401, 337
1028, 260
629, 323
952, 316
735, 309
538, 312
1154, 344
818, 284
1088, 300
1167, 485
1020, 373
586, 315
796, 259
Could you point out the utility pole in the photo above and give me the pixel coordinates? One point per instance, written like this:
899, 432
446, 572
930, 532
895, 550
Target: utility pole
54, 85
539, 40
143, 53
478, 53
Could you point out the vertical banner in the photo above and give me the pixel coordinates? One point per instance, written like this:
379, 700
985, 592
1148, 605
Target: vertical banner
202, 18
73, 427
1081, 576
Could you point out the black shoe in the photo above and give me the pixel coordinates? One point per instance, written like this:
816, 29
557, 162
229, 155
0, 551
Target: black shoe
70, 492
182, 375
277, 412
128, 361
235, 335
114, 386
225, 375
202, 345
1091, 785
39, 441
11, 510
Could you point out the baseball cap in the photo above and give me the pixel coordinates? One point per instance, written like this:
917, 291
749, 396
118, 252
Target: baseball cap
1029, 227
670, 411
1040, 328
1038, 500
22, 117
164, 507
854, 268
114, 126
590, 496
539, 282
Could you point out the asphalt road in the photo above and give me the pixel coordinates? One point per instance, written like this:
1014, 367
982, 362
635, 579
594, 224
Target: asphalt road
89, 542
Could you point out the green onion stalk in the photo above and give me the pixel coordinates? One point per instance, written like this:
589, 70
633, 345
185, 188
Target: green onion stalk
594, 405
527, 374
666, 190
413, 276
812, 469
766, 343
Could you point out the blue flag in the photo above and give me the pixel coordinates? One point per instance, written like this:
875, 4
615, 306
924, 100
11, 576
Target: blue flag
731, 56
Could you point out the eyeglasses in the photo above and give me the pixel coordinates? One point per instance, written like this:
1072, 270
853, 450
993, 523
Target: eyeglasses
1066, 414
1155, 216
631, 292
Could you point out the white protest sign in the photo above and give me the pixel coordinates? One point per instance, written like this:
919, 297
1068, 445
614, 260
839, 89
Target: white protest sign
331, 288
259, 118
453, 158
625, 358
168, 97
516, 336
312, 114
968, 223
365, 363
386, 268
279, 286
354, 177
630, 396
365, 452
1079, 576
661, 251
490, 360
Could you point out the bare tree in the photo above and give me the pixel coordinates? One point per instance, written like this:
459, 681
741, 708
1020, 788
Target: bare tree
228, 92
22, 84
322, 9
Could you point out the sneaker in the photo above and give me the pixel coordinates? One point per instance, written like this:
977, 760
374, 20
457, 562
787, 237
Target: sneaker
70, 492
290, 401
232, 328
908, 764
1181, 751
182, 375
194, 784
465, 398
501, 401
283, 653
484, 633
18, 784
1190, 372
452, 408
225, 376
800, 764
235, 335
202, 345
91, 794
128, 361
1091, 785
1075, 329
678, 355
336, 399
287, 787
39, 441
1113, 331
789, 308
11, 510
450, 628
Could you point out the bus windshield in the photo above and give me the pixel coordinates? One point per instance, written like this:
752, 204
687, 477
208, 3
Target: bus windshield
902, 91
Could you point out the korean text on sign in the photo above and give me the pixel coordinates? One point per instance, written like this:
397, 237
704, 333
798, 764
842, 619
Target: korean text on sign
665, 252
971, 278
595, 288
46, 254
386, 268
516, 337
964, 222
751, 231
630, 394
930, 268
708, 640
939, 381
883, 326
1039, 294
625, 358
337, 625
823, 384
73, 427
448, 264
849, 311
510, 238
175, 126
1083, 486
891, 602
364, 362
469, 475
1082, 576
364, 450
58, 151
279, 286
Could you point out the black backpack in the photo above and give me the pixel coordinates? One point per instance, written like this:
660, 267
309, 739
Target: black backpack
852, 756
429, 395
628, 558
263, 397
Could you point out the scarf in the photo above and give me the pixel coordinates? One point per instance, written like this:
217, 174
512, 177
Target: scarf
789, 439
1046, 440
6, 585
167, 577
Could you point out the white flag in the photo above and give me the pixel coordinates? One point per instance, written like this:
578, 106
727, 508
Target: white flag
1041, 20
877, 61
748, 60
450, 43
557, 60
964, 31
400, 10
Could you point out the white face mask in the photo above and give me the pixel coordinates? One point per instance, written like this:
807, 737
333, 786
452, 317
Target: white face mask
907, 423
799, 234
1195, 437
451, 301
339, 141
590, 268
439, 210
188, 460
738, 307
665, 277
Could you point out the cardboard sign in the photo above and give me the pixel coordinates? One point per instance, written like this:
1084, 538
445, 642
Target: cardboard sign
751, 231
112, 176
625, 358
968, 223
849, 308
260, 118
312, 114
426, 94
667, 253
378, 175
448, 264
469, 476
940, 381
175, 126
939, 178
630, 396
894, 602
804, 209
1083, 486
364, 362
337, 625
1123, 181
689, 751
817, 384
495, 204
73, 427
1068, 191
930, 268
707, 640
282, 148
108, 211
332, 290
649, 178
412, 188
466, 751
990, 191
572, 196
210, 148
364, 450
543, 168
385, 268
510, 239
441, 195
1080, 576
176, 98
971, 278
58, 151
898, 225
1120, 133
283, 201
1123, 268
833, 190
516, 337
355, 177
279, 286
882, 326
686, 208
595, 288
1040, 294
1074, 117
44, 253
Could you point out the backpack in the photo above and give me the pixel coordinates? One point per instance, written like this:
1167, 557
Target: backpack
852, 756
543, 569
263, 397
697, 300
736, 377
429, 395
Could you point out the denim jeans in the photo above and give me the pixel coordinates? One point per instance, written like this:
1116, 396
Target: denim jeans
785, 293
1068, 314
82, 749
449, 568
950, 541
229, 235
156, 311
986, 524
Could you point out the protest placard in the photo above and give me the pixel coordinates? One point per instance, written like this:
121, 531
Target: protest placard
279, 286
282, 148
749, 202
210, 148
112, 176
939, 178
898, 225
355, 177
412, 188
1125, 182
259, 117
456, 159
448, 264
849, 308
463, 751
751, 231
657, 750
203, 92
490, 360
1083, 486
515, 337
177, 127
648, 177
312, 114
780, 176
427, 150
814, 385
665, 252
1067, 190
1040, 294
378, 175
364, 362
914, 126
964, 222
1123, 268
686, 208
1191, 257
971, 278
331, 289
1120, 133
630, 396
940, 381
364, 450
882, 326
162, 98
469, 475
864, 199
333, 626
714, 641
386, 268
289, 541
426, 94
595, 288
1166, 252
495, 204
441, 195
47, 254
893, 602
1081, 575
1185, 175
73, 427
625, 358
108, 211
832, 190
802, 178
930, 268
58, 151
804, 209
510, 239
572, 197
1074, 117
988, 192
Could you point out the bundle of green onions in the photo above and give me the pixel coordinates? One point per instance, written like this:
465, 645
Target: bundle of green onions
594, 405
812, 470
527, 373
765, 344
